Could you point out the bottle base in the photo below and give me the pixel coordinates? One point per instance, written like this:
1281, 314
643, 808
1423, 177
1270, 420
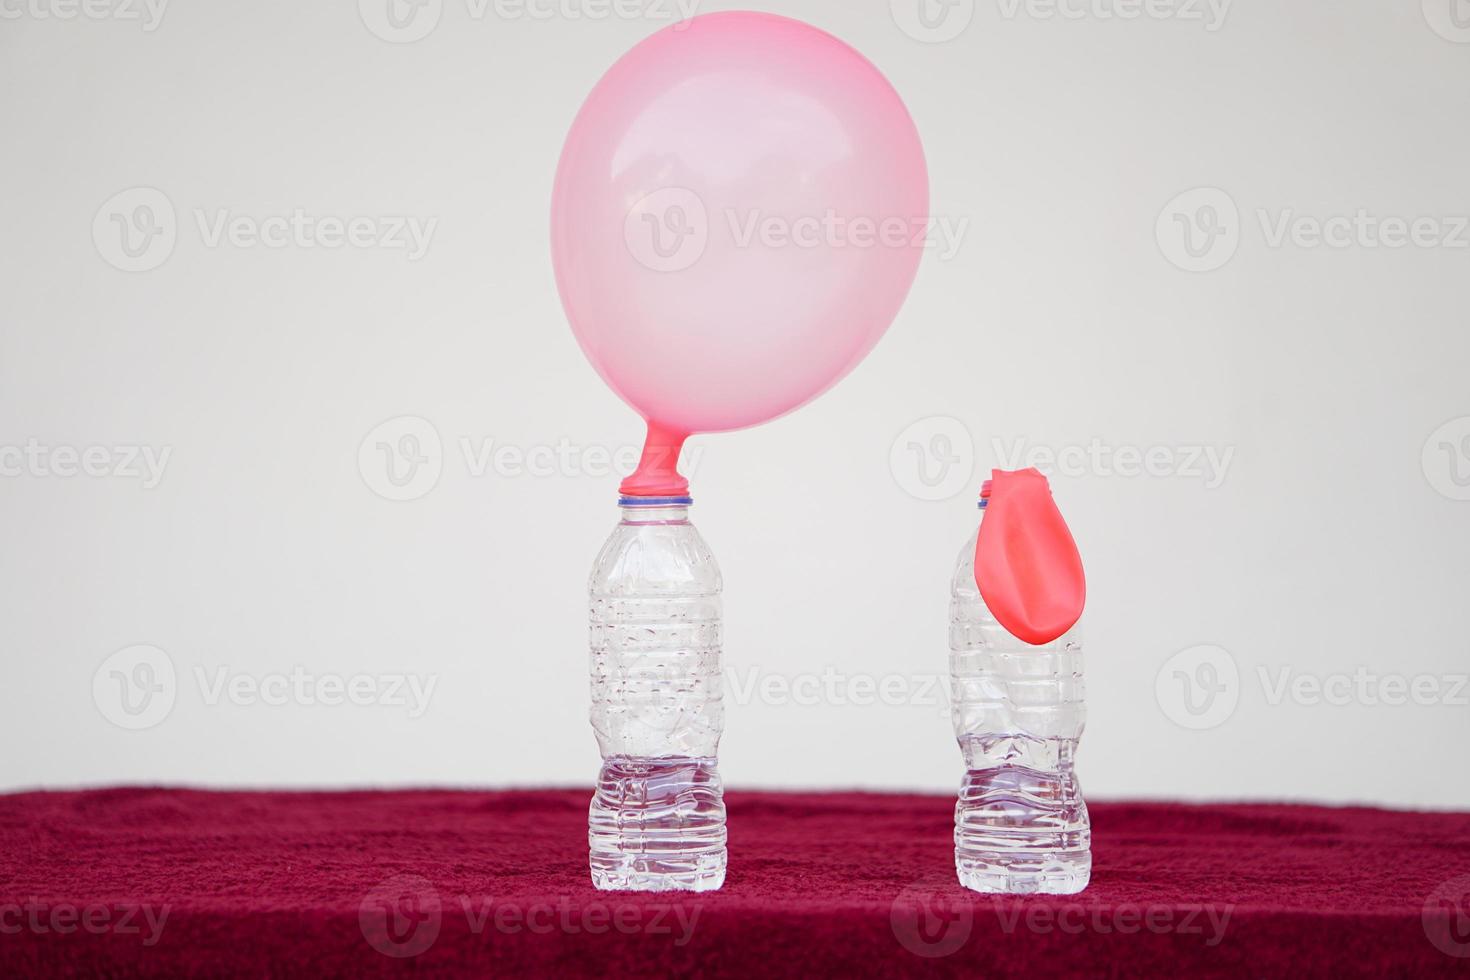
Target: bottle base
632, 874
657, 825
998, 872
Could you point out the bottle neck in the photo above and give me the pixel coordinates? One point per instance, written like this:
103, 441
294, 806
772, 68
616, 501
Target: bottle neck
670, 512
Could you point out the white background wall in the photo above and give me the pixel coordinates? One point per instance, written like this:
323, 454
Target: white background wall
1337, 536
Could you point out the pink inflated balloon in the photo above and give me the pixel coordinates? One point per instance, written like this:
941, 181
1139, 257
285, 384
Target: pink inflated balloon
738, 213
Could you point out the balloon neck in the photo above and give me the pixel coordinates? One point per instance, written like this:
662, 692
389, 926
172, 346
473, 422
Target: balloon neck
657, 474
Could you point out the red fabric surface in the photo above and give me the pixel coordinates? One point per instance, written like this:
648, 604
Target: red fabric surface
152, 882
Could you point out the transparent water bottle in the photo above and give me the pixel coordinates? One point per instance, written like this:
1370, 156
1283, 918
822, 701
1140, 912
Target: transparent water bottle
1020, 824
657, 820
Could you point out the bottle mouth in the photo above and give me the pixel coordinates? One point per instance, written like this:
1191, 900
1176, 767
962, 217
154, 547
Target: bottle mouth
683, 501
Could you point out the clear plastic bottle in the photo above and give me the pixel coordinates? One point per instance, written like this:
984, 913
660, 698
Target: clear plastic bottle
1020, 825
657, 820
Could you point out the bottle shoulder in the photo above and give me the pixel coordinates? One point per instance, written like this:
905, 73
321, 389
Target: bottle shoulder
656, 558
962, 582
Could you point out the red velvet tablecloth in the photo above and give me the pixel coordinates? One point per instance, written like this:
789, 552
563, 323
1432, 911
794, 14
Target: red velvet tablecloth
155, 882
